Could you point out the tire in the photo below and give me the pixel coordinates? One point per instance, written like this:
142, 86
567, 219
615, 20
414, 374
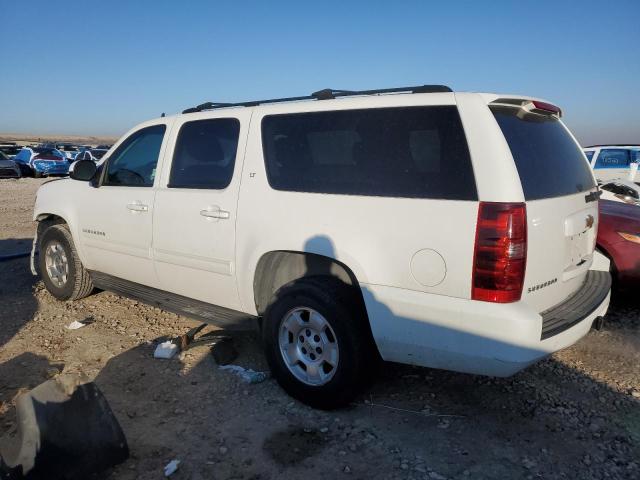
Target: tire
77, 283
37, 174
356, 356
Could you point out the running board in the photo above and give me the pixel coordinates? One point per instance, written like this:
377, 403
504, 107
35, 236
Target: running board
219, 316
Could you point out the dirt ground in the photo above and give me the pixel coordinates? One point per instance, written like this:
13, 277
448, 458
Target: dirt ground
575, 415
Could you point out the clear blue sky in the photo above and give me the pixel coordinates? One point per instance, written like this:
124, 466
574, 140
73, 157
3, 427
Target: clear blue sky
99, 67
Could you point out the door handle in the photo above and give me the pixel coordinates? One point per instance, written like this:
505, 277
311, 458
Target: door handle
211, 213
137, 207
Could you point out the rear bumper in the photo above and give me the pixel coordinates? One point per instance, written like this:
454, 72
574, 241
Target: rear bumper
468, 336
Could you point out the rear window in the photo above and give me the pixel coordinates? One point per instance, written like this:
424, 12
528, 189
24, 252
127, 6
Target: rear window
415, 152
549, 161
205, 154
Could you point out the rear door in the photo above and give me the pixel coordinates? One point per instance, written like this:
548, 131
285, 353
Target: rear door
562, 212
194, 224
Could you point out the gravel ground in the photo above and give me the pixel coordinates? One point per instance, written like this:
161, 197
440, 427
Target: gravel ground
575, 415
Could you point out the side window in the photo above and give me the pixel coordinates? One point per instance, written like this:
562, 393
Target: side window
205, 154
613, 158
410, 152
589, 154
134, 162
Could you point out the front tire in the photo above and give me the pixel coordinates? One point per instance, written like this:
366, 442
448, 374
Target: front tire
317, 342
62, 272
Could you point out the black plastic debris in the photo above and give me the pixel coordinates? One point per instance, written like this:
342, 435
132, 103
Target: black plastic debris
66, 430
224, 351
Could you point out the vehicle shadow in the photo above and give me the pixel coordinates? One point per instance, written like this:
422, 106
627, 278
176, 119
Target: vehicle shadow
19, 375
18, 306
9, 246
17, 301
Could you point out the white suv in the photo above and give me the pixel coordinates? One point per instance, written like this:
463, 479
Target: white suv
422, 226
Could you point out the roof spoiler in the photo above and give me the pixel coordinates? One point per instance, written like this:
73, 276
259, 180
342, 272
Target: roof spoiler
534, 106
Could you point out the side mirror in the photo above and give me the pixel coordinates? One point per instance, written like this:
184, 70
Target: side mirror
83, 170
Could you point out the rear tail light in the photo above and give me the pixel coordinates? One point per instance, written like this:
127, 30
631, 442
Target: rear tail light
500, 252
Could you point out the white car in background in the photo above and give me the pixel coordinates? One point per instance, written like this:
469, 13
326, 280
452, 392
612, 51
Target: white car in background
611, 162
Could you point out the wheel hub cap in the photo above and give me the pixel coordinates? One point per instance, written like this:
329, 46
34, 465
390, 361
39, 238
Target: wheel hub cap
56, 264
308, 346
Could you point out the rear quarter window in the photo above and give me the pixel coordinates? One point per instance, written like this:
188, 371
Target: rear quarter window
549, 162
412, 152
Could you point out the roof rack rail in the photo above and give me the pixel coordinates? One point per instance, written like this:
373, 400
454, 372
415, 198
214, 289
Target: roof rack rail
325, 94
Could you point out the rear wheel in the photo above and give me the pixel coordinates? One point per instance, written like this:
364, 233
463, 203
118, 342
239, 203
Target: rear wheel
62, 272
317, 342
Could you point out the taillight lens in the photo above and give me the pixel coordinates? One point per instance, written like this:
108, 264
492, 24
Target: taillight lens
500, 254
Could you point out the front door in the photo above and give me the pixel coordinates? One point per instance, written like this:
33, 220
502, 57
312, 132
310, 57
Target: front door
115, 219
194, 222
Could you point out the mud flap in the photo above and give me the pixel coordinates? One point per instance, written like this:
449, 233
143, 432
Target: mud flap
66, 430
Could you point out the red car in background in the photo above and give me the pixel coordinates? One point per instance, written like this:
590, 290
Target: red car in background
619, 239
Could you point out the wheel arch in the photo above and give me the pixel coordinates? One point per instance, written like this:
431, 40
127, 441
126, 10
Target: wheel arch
280, 267
46, 219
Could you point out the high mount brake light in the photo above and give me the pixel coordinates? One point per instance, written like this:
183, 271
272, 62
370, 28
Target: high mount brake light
500, 255
546, 107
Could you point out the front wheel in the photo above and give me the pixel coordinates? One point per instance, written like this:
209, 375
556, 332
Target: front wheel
62, 272
317, 342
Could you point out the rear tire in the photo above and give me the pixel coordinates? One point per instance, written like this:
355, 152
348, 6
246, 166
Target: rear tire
329, 372
61, 270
